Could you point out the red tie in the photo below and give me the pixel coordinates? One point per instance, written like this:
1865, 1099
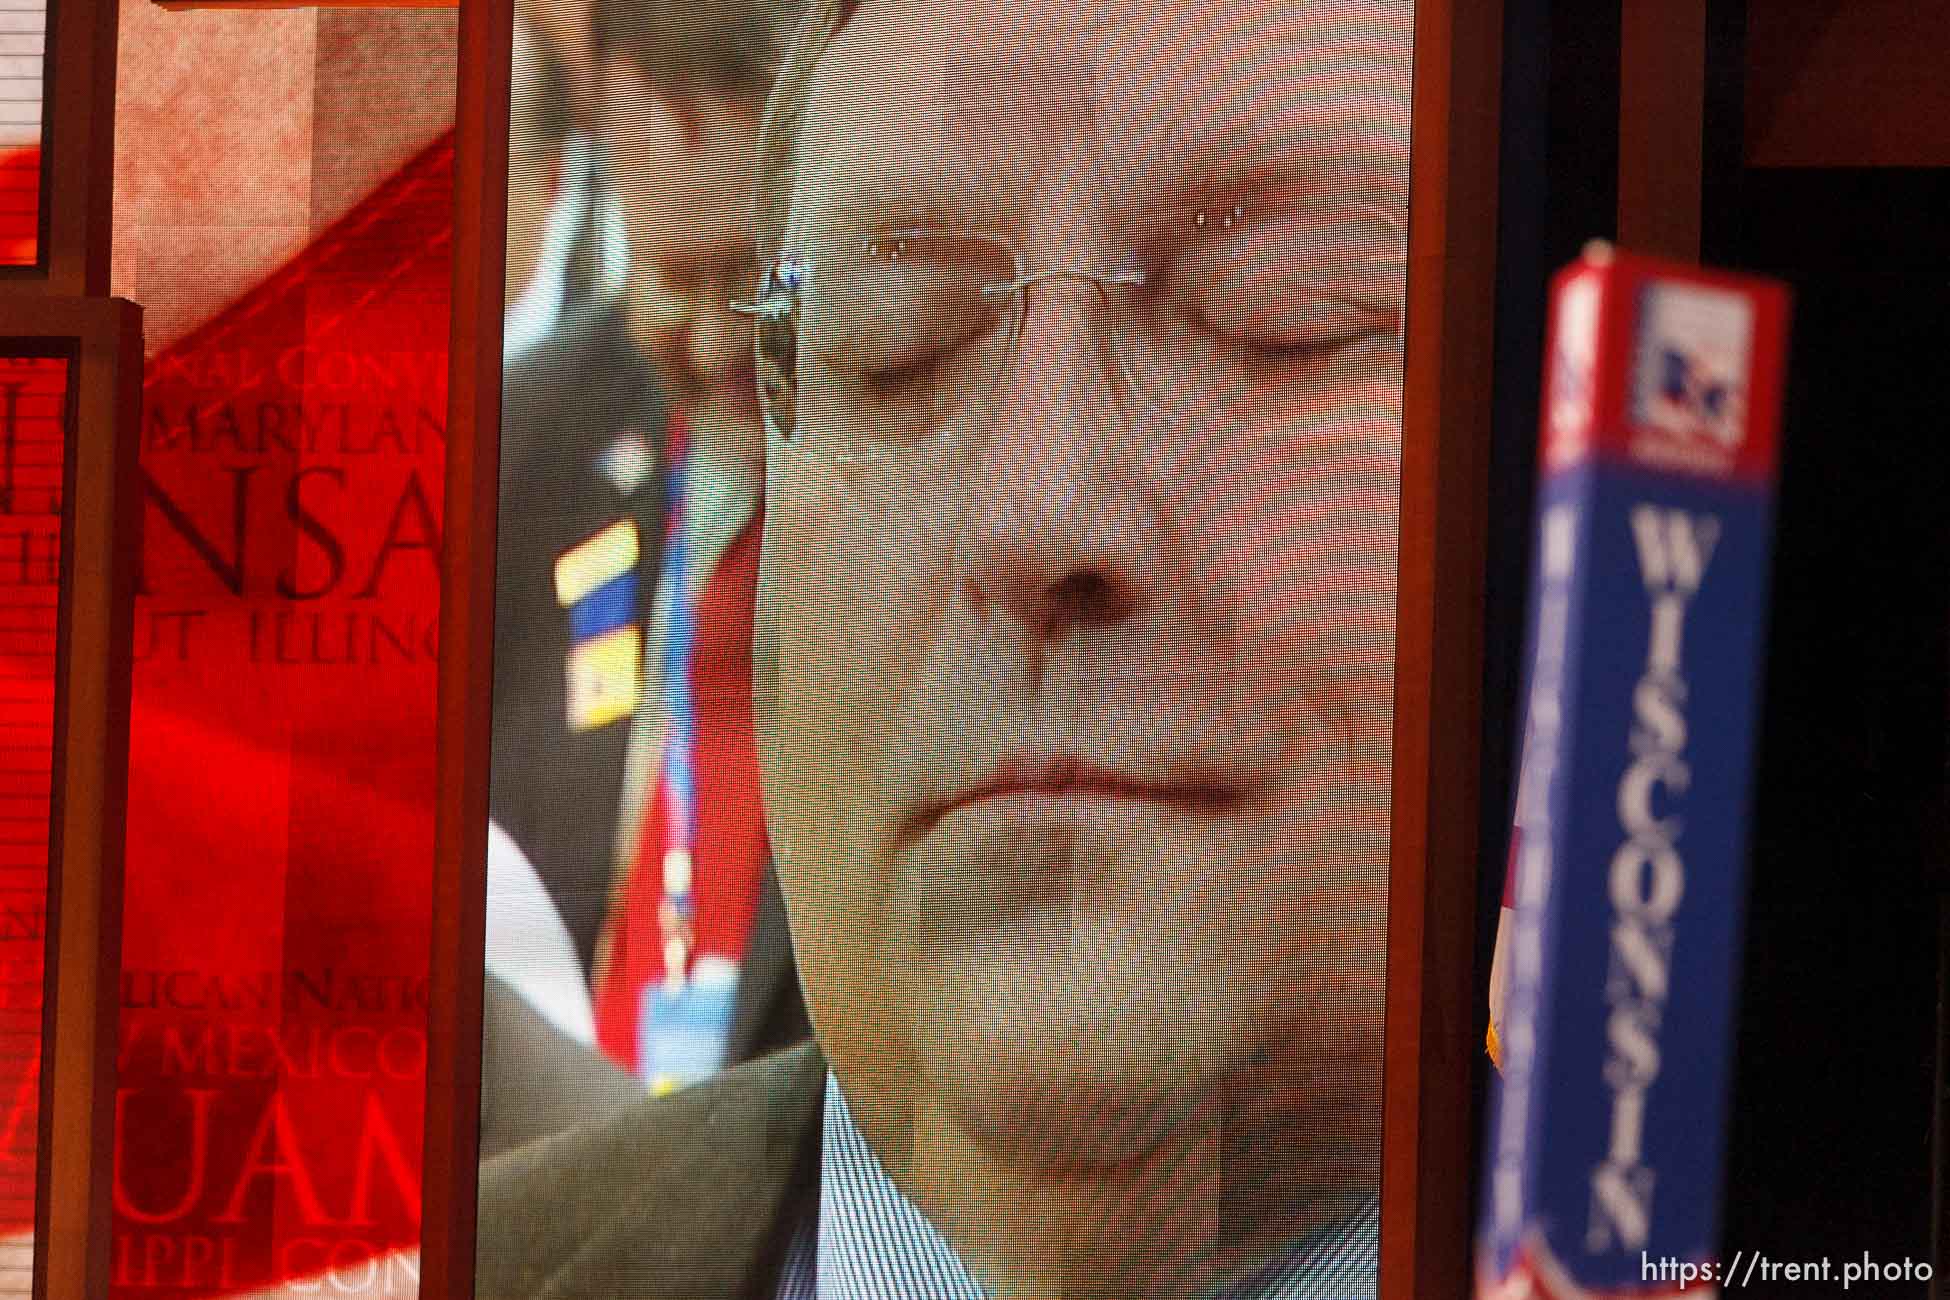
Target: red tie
730, 851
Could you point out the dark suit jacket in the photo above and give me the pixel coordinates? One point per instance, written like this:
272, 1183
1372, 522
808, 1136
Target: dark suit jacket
535, 1079
555, 790
693, 1196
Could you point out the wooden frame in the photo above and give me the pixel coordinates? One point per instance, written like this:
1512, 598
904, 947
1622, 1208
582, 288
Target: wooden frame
1661, 134
1427, 1144
99, 555
450, 1164
63, 298
78, 154
43, 183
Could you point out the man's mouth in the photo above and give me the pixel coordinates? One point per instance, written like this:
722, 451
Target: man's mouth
1061, 780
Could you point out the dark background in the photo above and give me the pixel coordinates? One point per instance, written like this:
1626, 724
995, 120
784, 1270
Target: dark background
1835, 1092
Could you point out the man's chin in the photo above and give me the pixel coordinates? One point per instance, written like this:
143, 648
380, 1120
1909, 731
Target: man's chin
730, 416
1067, 1123
1053, 1059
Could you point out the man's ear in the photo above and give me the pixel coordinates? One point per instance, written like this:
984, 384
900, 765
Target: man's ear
557, 163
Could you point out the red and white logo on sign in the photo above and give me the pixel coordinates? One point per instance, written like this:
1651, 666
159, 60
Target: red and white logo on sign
1690, 376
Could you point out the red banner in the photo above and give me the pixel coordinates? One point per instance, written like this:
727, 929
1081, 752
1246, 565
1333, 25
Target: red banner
273, 1038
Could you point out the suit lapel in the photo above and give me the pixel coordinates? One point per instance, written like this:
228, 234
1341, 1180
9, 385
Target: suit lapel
713, 1197
768, 977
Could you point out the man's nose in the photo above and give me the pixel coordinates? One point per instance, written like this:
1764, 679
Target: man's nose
1062, 529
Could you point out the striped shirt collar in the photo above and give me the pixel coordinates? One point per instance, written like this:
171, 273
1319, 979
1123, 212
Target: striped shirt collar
868, 1240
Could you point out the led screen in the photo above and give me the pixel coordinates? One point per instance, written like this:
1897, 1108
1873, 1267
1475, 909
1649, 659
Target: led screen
23, 80
292, 256
34, 414
945, 648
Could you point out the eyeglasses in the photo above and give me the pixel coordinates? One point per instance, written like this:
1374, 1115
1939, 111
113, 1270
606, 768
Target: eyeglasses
901, 342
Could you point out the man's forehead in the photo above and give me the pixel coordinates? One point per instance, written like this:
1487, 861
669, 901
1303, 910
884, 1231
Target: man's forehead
914, 97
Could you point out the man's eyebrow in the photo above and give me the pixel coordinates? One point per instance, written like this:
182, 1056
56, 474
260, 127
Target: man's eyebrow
1304, 163
852, 203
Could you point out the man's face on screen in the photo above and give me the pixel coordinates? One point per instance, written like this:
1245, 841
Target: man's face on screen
1080, 562
685, 165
